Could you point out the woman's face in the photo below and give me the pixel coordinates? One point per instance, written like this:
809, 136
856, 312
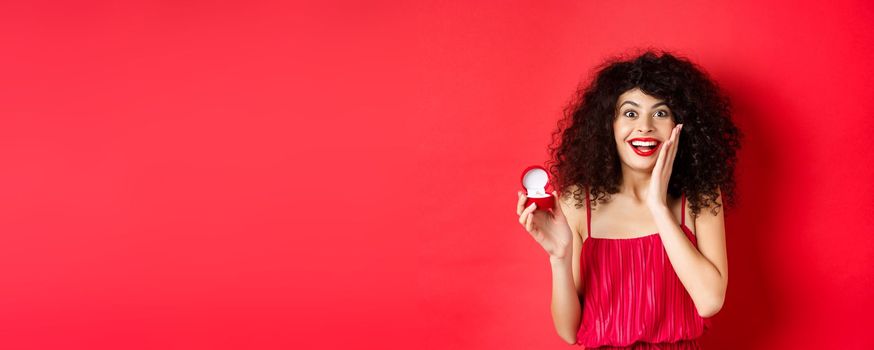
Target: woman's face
641, 119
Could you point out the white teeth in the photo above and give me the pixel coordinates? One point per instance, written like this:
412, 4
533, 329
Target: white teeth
643, 143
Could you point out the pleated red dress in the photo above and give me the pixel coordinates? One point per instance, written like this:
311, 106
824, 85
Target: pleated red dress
632, 297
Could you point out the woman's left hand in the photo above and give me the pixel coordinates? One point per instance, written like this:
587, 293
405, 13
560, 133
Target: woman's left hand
657, 195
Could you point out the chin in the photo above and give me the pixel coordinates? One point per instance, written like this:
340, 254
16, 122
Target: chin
640, 166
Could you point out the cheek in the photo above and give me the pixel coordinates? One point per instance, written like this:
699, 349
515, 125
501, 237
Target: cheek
621, 132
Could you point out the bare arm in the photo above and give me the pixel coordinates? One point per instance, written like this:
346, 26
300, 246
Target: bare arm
555, 232
566, 310
566, 281
703, 271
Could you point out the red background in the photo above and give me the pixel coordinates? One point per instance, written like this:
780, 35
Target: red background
251, 174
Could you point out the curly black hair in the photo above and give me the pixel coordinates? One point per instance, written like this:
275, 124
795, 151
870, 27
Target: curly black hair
583, 151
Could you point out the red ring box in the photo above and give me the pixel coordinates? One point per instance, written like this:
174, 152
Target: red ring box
535, 180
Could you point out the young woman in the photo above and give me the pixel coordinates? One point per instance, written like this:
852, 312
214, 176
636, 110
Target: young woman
641, 262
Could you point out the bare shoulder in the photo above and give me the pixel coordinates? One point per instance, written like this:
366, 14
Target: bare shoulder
712, 215
575, 216
689, 218
707, 216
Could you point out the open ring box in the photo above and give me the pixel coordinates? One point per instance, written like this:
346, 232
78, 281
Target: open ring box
535, 180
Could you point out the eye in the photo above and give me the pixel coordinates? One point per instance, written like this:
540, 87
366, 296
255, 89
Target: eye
626, 113
665, 114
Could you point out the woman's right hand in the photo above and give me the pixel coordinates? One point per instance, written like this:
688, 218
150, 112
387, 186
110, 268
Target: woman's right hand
549, 228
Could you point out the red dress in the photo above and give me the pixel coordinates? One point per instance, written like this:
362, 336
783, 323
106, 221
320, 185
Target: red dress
632, 297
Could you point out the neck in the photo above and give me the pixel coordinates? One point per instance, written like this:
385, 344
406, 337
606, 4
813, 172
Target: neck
635, 184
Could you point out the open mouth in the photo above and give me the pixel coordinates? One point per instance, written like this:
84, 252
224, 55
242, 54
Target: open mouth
644, 147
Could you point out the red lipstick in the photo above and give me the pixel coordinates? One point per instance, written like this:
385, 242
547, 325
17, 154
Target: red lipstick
641, 152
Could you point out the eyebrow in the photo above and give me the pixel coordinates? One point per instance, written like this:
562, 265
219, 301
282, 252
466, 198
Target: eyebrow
637, 105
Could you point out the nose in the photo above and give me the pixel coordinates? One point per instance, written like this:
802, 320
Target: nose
644, 125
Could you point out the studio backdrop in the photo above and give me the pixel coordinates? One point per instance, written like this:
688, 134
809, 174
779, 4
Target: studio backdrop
343, 174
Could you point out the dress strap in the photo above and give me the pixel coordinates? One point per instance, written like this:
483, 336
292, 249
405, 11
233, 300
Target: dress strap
683, 211
588, 214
